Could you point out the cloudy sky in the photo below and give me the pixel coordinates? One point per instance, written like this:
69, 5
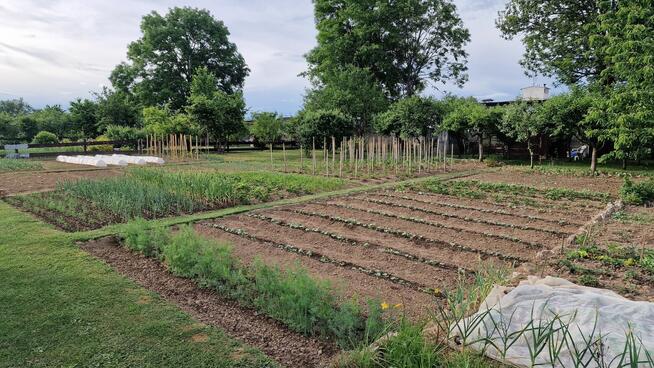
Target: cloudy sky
53, 51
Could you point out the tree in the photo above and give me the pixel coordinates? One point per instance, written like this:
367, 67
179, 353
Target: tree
84, 115
404, 43
354, 92
321, 125
629, 50
410, 117
161, 121
267, 127
560, 37
27, 126
470, 117
54, 119
171, 49
118, 108
518, 123
15, 107
8, 128
216, 112
570, 116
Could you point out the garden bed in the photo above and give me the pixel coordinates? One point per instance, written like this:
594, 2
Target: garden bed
157, 193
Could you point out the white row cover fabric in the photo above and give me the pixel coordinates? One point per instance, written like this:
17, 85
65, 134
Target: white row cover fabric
104, 160
587, 312
82, 160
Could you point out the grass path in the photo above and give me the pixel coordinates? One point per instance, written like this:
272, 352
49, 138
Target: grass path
62, 308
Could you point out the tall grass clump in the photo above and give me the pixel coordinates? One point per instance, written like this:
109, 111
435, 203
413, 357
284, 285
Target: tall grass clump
291, 296
637, 193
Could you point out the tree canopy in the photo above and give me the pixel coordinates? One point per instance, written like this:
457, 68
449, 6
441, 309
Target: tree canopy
410, 117
404, 44
172, 47
560, 37
267, 127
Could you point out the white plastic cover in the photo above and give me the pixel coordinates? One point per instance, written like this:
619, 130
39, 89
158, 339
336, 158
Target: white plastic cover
82, 160
104, 160
583, 309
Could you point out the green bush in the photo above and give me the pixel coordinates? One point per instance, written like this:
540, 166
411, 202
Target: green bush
123, 133
410, 348
101, 147
44, 137
637, 193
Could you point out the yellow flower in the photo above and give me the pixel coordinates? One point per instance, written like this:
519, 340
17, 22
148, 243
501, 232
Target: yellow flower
397, 306
437, 291
384, 306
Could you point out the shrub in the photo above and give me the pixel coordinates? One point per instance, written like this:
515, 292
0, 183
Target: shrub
637, 193
101, 147
140, 236
45, 137
123, 133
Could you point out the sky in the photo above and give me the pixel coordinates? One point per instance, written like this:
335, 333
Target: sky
53, 51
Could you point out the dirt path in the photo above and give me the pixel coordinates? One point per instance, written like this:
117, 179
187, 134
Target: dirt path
286, 347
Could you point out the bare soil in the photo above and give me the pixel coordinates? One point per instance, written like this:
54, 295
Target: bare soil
513, 175
286, 347
39, 181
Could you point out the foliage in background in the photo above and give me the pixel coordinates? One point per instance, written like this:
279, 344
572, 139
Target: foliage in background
216, 112
352, 91
161, 121
171, 49
322, 125
467, 116
410, 117
518, 123
84, 114
404, 44
44, 137
267, 127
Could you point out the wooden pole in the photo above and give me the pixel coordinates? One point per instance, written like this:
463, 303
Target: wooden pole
313, 156
272, 166
284, 152
301, 159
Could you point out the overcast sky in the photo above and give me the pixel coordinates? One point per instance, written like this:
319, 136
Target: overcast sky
53, 51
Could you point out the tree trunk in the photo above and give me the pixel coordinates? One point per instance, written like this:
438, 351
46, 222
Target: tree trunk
624, 164
593, 159
531, 155
481, 147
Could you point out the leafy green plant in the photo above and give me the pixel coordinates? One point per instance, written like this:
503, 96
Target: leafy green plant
637, 193
140, 236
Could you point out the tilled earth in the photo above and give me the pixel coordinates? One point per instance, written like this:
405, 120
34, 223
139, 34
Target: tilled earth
401, 247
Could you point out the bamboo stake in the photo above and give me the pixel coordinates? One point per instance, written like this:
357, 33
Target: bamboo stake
284, 151
333, 155
313, 156
301, 159
272, 165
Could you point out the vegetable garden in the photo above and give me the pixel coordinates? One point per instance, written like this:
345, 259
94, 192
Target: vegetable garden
156, 193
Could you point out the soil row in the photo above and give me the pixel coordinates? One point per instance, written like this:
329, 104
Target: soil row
502, 239
463, 211
351, 283
289, 348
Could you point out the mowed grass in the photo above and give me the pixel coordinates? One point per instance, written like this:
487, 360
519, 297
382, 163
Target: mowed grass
156, 193
62, 308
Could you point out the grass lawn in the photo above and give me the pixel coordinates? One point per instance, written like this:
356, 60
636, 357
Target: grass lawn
61, 307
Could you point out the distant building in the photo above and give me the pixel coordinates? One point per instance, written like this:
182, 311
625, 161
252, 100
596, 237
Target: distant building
532, 93
535, 93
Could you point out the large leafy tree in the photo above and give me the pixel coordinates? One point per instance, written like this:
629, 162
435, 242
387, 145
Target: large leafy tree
173, 46
267, 127
15, 107
410, 117
54, 119
118, 108
404, 43
354, 92
84, 115
629, 51
218, 113
321, 125
561, 37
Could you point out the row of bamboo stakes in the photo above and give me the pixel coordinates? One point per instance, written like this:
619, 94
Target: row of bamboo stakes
172, 146
369, 153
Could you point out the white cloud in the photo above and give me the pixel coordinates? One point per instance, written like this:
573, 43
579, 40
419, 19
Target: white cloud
54, 50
